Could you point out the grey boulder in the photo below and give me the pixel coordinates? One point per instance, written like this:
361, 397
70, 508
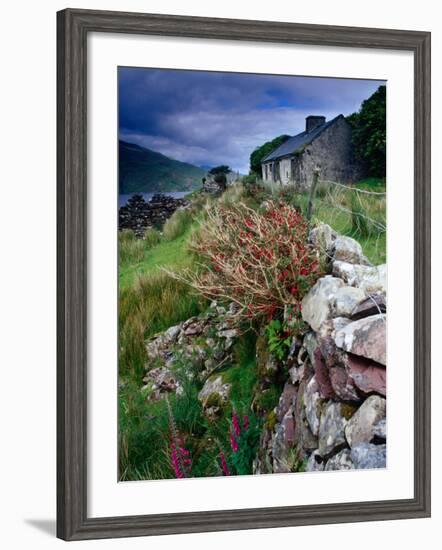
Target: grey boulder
370, 279
361, 427
348, 250
369, 456
318, 302
340, 461
346, 300
365, 337
331, 428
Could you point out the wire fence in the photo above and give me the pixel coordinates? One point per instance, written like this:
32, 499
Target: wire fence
351, 210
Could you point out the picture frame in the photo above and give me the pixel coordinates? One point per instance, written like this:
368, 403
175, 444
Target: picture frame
73, 27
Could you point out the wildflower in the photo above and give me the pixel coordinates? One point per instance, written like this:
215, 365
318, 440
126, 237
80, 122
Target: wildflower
233, 442
235, 423
224, 466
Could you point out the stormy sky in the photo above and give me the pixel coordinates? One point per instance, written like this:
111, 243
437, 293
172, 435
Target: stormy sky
211, 118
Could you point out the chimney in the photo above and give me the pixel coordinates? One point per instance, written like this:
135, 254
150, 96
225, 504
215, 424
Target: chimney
313, 121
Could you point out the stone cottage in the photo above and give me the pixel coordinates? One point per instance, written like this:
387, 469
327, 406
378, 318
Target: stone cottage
326, 146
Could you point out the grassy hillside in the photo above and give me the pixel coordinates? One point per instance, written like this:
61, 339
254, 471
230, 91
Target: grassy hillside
143, 171
150, 301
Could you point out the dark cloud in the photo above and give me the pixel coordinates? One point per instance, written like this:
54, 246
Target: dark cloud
209, 118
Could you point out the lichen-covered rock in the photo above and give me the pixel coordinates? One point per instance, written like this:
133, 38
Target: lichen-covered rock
286, 400
214, 396
313, 404
315, 463
309, 344
283, 440
322, 375
160, 381
373, 304
370, 279
360, 428
380, 429
305, 441
369, 456
200, 344
322, 237
346, 249
172, 333
331, 428
318, 302
367, 375
340, 461
325, 338
366, 337
296, 374
342, 384
347, 299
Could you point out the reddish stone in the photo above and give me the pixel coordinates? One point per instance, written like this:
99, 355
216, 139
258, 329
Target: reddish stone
343, 385
322, 375
286, 399
288, 423
367, 375
365, 337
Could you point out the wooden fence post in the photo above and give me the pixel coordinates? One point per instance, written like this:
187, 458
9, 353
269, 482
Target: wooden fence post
312, 194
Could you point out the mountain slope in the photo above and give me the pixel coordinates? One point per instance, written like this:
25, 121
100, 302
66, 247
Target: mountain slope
142, 170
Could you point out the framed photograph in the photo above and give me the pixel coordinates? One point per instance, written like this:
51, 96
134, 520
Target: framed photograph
243, 274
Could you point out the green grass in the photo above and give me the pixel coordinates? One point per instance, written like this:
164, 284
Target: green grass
177, 224
150, 301
172, 254
152, 305
326, 209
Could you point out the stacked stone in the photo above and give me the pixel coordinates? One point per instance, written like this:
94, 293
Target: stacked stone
202, 345
213, 187
332, 411
138, 215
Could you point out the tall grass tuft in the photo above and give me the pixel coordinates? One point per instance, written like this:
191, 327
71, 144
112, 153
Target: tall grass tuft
151, 237
232, 195
359, 217
177, 224
130, 249
153, 304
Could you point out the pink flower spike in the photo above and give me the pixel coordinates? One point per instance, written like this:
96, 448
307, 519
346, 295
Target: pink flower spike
236, 426
224, 466
233, 442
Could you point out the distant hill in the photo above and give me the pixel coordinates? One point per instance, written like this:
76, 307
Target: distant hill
142, 170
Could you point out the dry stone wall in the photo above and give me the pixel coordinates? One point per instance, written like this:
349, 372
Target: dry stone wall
332, 411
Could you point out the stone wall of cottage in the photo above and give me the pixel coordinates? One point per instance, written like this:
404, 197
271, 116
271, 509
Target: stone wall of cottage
332, 153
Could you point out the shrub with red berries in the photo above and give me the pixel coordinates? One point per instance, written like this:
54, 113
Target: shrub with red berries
260, 260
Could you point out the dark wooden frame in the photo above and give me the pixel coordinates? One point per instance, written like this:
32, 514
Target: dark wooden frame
73, 27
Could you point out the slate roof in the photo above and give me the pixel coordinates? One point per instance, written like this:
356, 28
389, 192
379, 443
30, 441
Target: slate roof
296, 142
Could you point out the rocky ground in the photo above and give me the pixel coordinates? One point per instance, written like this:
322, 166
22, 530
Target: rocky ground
331, 413
138, 214
197, 349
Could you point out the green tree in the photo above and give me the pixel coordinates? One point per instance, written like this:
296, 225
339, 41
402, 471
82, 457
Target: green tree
369, 132
260, 152
219, 174
221, 169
